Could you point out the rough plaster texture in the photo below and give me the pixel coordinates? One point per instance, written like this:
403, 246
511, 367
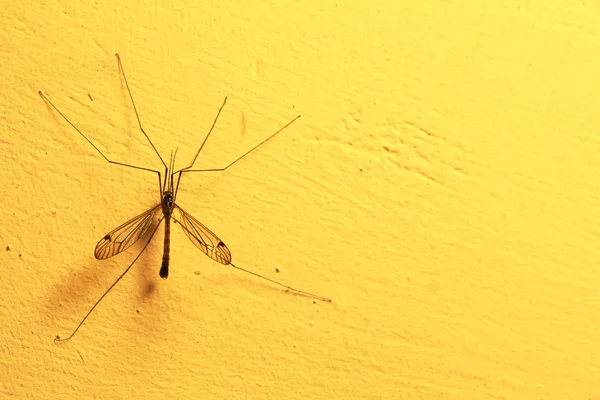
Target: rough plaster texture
441, 187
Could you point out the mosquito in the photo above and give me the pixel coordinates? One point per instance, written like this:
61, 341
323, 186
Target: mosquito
124, 236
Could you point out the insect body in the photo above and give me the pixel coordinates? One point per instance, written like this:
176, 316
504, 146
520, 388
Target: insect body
124, 236
167, 208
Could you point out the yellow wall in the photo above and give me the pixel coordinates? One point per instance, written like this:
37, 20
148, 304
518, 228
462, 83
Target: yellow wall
442, 187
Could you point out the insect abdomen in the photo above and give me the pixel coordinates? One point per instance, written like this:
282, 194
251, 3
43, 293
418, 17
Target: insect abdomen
164, 269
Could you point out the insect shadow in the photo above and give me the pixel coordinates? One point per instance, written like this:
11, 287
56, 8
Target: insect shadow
167, 210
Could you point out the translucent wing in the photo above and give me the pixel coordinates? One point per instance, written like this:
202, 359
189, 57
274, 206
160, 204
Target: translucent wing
125, 235
202, 237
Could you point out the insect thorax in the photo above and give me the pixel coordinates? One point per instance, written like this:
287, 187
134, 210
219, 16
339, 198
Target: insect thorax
167, 202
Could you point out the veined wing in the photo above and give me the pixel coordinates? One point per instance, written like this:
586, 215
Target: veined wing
125, 235
202, 237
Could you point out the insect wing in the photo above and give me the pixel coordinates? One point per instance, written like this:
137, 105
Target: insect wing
125, 235
202, 237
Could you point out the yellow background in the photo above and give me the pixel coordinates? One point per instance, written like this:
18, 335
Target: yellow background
442, 187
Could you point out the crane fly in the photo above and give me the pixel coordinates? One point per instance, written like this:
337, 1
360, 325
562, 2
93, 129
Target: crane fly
126, 235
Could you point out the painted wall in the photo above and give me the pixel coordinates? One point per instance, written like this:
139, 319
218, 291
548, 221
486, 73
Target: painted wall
441, 187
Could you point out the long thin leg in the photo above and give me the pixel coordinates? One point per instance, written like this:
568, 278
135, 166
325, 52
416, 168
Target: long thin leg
90, 142
205, 139
213, 247
58, 339
301, 292
243, 155
160, 187
177, 187
173, 167
222, 169
135, 109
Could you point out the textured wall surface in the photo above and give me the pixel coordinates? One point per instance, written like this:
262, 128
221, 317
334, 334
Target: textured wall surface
441, 187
